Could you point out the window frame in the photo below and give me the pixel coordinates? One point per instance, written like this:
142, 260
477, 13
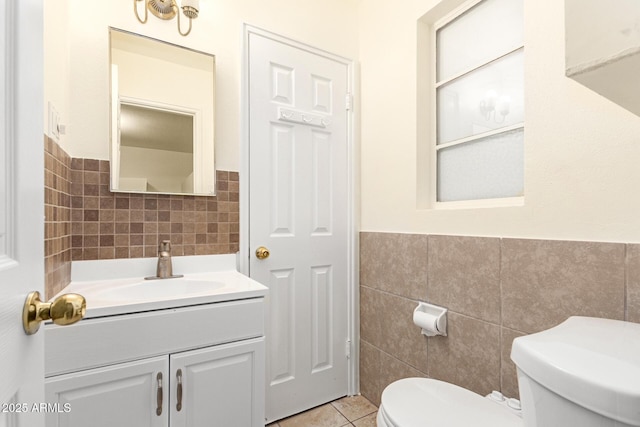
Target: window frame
434, 84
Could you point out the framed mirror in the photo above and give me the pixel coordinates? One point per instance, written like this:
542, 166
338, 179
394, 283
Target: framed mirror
162, 117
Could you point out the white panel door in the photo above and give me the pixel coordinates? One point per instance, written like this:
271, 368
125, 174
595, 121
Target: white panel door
220, 386
299, 210
134, 394
21, 209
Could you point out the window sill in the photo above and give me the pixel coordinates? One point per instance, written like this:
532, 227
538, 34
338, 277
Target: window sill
480, 204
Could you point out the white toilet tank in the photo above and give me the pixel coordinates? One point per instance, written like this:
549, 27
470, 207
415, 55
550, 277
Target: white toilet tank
584, 372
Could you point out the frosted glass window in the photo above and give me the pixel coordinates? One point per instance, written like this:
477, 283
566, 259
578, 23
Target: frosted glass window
484, 32
491, 97
486, 168
479, 102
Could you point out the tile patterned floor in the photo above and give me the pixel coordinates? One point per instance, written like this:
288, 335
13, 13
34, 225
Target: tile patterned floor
351, 411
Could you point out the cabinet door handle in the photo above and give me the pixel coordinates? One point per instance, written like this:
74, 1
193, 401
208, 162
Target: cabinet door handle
159, 396
179, 378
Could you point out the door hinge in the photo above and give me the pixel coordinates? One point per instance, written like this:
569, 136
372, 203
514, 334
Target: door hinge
347, 349
348, 104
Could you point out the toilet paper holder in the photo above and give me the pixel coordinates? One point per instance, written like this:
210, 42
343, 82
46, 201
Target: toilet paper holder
432, 319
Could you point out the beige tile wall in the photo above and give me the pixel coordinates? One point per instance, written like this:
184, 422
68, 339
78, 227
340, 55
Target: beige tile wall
496, 290
84, 220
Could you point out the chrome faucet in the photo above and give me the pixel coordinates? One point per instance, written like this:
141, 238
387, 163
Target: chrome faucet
164, 269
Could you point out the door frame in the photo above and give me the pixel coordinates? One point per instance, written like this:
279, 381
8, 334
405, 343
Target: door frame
353, 314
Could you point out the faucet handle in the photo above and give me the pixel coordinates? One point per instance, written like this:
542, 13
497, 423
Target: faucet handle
165, 246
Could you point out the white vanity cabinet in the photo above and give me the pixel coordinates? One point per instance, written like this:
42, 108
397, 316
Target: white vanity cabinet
218, 386
125, 394
189, 366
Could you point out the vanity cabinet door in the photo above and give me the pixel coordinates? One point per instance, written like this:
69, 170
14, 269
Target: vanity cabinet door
131, 394
221, 386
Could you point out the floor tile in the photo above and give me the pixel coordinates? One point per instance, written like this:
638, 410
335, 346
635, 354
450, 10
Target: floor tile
354, 407
322, 416
368, 421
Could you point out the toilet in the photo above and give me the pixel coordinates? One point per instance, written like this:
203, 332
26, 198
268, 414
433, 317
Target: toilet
584, 372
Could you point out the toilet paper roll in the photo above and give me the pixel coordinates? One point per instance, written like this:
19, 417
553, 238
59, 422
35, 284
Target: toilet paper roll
431, 319
428, 322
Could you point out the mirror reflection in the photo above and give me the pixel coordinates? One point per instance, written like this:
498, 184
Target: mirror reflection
162, 109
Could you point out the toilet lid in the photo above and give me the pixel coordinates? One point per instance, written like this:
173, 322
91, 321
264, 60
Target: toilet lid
420, 402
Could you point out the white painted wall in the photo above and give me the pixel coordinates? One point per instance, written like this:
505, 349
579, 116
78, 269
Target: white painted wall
603, 48
83, 84
582, 152
56, 58
599, 29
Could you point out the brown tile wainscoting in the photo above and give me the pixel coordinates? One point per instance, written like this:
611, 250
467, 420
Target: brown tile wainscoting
86, 221
496, 289
57, 218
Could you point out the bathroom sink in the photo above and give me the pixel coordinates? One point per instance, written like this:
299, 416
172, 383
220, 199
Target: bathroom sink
158, 289
115, 287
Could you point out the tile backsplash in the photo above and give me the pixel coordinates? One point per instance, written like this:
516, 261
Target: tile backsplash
108, 225
57, 221
496, 289
86, 221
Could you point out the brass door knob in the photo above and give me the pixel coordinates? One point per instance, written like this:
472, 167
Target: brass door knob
262, 253
64, 310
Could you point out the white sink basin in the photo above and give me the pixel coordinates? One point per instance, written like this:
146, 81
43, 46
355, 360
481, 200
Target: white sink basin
114, 287
158, 289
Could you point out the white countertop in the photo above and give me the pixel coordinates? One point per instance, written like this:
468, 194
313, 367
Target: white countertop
113, 287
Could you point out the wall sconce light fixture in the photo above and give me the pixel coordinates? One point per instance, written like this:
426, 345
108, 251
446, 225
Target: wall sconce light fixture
168, 9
